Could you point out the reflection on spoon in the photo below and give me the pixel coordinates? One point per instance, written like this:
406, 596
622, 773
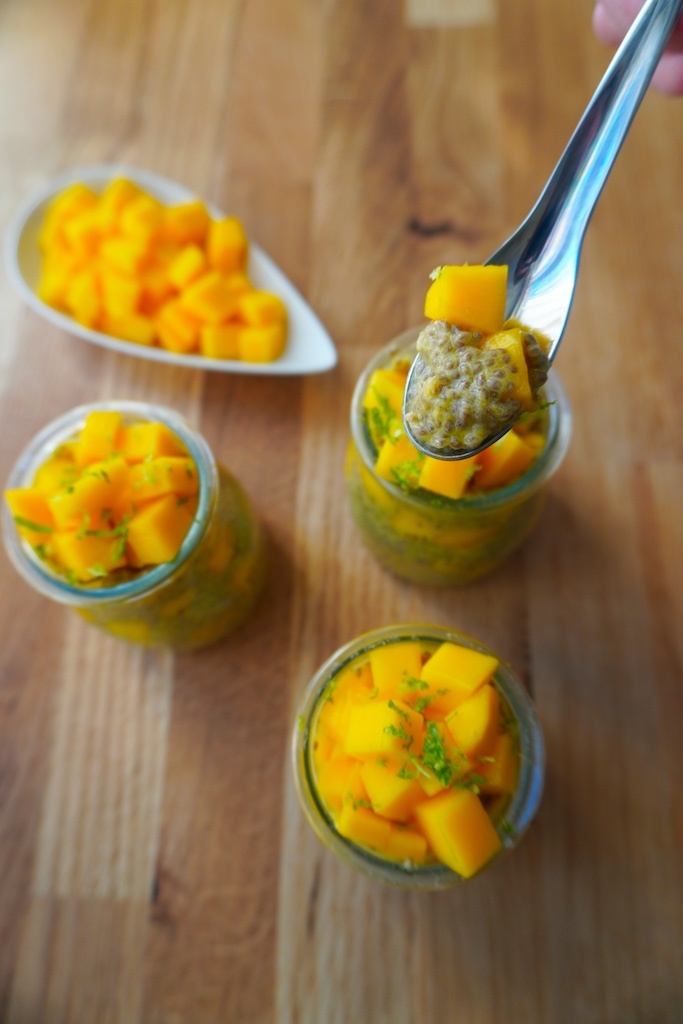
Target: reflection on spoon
542, 256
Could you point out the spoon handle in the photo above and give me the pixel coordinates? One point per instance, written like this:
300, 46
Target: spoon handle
557, 223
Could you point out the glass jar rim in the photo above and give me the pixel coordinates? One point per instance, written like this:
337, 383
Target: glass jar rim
519, 812
549, 460
62, 429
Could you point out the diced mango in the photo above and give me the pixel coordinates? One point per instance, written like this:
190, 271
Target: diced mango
363, 826
90, 499
32, 515
189, 264
474, 723
142, 218
382, 728
510, 342
227, 245
117, 194
405, 844
82, 298
187, 223
120, 294
259, 309
178, 330
126, 255
499, 770
458, 830
399, 460
210, 299
220, 341
88, 558
333, 775
98, 437
384, 394
504, 461
459, 671
155, 478
449, 478
133, 327
262, 344
156, 532
471, 297
139, 441
395, 665
59, 471
392, 796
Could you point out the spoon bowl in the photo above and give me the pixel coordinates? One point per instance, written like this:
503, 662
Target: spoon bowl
542, 256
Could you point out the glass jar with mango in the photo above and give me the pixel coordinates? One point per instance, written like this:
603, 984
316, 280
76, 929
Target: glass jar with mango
445, 523
417, 755
177, 565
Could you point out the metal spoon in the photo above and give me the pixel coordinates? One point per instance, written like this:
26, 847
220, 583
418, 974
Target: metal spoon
543, 254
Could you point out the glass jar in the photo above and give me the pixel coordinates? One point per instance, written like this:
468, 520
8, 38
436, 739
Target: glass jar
511, 818
204, 593
429, 539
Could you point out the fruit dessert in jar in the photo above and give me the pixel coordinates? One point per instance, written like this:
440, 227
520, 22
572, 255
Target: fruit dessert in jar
417, 756
439, 522
121, 511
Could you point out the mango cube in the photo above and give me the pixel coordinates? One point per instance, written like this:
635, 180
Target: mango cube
383, 728
474, 723
187, 223
471, 297
220, 341
189, 264
120, 294
458, 830
447, 478
405, 844
363, 826
510, 341
133, 327
499, 770
32, 515
98, 437
394, 665
399, 460
167, 474
227, 245
178, 330
259, 308
86, 557
392, 796
458, 671
90, 499
210, 299
156, 533
139, 441
504, 461
262, 344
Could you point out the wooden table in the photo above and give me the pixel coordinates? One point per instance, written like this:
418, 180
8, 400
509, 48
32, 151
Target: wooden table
154, 865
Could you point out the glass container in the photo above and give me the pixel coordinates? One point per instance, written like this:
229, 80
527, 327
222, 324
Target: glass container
203, 594
430, 539
511, 817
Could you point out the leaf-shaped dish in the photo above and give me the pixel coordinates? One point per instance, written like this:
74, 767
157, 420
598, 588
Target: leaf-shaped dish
309, 346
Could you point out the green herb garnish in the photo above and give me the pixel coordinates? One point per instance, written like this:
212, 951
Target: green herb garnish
28, 524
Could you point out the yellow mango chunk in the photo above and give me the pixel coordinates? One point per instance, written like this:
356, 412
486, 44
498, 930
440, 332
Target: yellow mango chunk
262, 344
333, 775
126, 255
383, 728
458, 830
227, 245
155, 288
91, 496
391, 795
139, 441
458, 671
83, 233
58, 472
259, 309
155, 478
474, 723
220, 341
156, 533
405, 844
133, 327
395, 664
177, 329
82, 298
87, 558
471, 297
188, 265
120, 294
447, 478
499, 774
117, 194
363, 826
510, 342
142, 218
32, 515
398, 460
504, 461
209, 298
98, 437
186, 223
383, 396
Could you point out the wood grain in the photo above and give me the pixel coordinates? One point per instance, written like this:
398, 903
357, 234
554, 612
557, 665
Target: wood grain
154, 865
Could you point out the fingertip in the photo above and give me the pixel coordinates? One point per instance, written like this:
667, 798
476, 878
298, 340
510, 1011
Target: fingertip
603, 26
668, 78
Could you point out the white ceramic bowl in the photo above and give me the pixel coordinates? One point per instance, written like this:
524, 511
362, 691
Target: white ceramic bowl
309, 346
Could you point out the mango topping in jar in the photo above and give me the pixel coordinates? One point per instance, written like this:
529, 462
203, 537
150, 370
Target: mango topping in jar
442, 522
121, 511
417, 756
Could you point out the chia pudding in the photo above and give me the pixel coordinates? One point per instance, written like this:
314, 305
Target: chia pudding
463, 393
